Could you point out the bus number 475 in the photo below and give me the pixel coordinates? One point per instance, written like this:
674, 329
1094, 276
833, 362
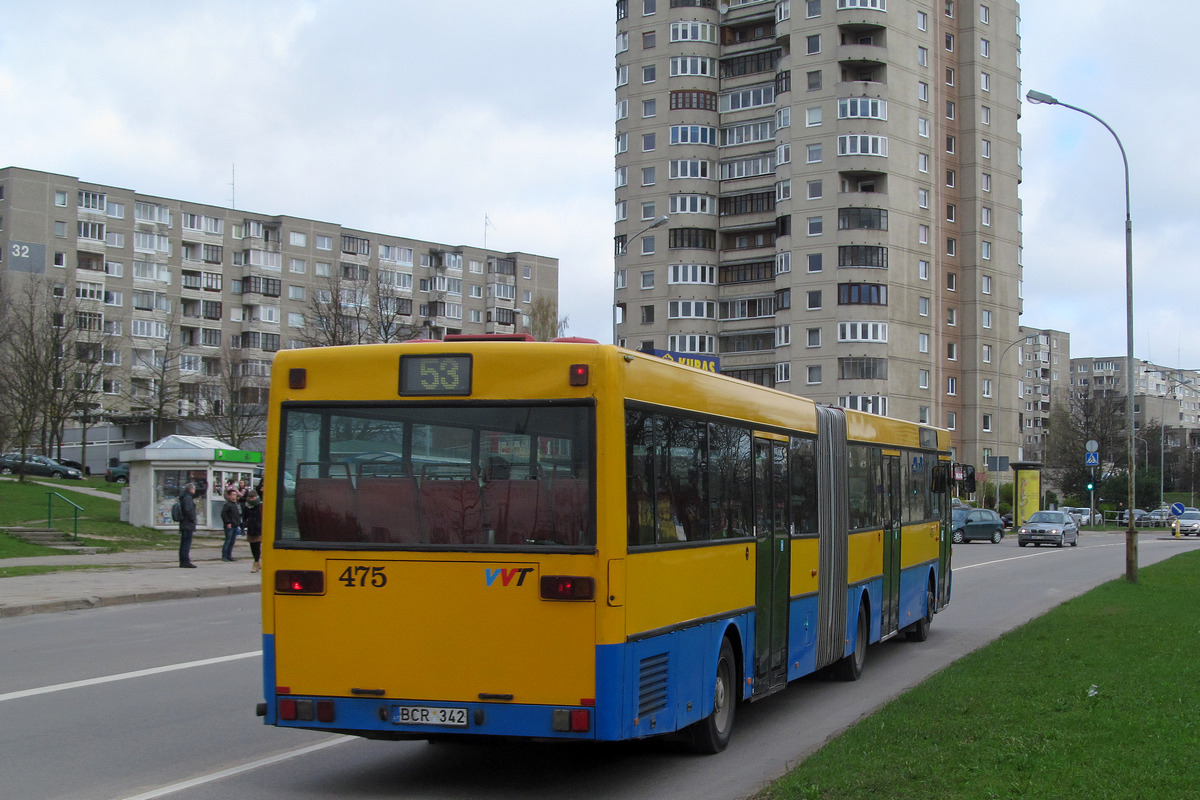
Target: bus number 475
357, 577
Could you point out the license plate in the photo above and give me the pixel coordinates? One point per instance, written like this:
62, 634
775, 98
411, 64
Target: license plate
429, 715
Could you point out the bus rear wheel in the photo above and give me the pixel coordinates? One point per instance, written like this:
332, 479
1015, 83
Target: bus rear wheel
919, 630
711, 734
850, 667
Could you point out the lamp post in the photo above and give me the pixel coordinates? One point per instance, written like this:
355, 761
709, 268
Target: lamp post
1131, 555
663, 220
999, 362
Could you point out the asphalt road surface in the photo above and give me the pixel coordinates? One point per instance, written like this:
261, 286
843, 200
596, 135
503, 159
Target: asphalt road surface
157, 700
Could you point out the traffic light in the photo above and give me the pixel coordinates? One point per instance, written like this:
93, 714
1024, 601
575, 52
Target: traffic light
1091, 486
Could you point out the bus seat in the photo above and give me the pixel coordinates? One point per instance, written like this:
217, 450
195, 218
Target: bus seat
325, 510
569, 501
388, 511
452, 511
516, 510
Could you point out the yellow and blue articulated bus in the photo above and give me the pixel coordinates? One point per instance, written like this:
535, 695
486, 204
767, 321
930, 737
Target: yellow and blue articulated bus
568, 540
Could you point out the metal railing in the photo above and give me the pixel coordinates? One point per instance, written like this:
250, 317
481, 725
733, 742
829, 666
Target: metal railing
50, 512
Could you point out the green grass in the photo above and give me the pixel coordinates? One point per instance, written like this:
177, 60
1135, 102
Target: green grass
99, 521
16, 572
1099, 698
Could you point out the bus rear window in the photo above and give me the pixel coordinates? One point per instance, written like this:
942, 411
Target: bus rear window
436, 476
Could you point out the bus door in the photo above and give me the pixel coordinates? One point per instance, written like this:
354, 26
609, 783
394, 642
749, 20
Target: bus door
890, 617
773, 551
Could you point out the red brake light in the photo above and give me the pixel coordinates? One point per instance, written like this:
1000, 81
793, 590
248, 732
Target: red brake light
567, 587
581, 721
579, 375
287, 709
299, 581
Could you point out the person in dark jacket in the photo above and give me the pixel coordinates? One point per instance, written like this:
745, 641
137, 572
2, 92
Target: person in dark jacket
187, 525
231, 516
252, 518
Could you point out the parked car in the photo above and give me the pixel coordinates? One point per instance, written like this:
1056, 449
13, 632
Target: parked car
976, 523
1189, 523
69, 462
1007, 519
1049, 527
1084, 516
1158, 518
11, 463
117, 474
1138, 515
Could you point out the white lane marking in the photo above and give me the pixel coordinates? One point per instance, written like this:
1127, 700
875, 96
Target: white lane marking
1028, 555
225, 773
1045, 553
124, 676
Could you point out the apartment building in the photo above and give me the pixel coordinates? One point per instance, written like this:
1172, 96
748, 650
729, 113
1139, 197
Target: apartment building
1167, 394
1045, 370
151, 275
822, 194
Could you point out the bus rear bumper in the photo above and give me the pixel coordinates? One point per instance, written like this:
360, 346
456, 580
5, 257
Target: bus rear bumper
389, 718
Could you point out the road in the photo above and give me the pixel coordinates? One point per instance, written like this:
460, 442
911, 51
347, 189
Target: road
157, 700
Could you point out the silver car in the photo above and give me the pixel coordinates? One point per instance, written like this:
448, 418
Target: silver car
1049, 527
1189, 523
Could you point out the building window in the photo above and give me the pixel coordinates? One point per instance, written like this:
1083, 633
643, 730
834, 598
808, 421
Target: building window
862, 108
816, 226
851, 294
923, 379
923, 342
862, 145
813, 373
813, 44
814, 299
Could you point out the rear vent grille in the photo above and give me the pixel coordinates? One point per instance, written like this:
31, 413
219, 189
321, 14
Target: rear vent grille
652, 684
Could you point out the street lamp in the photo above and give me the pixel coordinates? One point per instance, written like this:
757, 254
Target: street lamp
663, 220
999, 362
1131, 556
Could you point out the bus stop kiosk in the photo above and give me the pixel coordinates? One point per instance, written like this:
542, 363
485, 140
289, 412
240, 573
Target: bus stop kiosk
159, 471
1027, 490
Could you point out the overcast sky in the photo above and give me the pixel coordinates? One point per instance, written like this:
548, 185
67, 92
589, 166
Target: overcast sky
419, 118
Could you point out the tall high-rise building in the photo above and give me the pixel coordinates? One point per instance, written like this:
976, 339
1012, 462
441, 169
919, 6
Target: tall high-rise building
165, 290
839, 183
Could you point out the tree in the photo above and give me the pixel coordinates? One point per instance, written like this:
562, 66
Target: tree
240, 415
27, 361
1072, 425
357, 306
544, 322
154, 388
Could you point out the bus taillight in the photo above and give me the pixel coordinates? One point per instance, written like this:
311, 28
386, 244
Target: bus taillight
567, 587
299, 581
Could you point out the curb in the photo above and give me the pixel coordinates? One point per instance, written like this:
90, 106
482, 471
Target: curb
94, 601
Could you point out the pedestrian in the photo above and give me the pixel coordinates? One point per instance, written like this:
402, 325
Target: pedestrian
231, 516
187, 525
252, 519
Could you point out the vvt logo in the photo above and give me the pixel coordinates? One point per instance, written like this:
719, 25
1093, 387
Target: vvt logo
506, 575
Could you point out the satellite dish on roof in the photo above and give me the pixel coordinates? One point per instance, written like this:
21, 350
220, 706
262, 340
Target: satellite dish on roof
723, 8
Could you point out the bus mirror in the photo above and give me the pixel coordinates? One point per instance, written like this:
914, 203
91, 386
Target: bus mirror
941, 475
968, 481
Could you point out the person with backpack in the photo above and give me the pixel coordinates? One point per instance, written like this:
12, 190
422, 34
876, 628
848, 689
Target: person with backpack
186, 506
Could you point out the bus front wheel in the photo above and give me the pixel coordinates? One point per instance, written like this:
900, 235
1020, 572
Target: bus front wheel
711, 734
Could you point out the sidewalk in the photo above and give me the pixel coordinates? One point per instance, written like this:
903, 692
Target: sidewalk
120, 578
